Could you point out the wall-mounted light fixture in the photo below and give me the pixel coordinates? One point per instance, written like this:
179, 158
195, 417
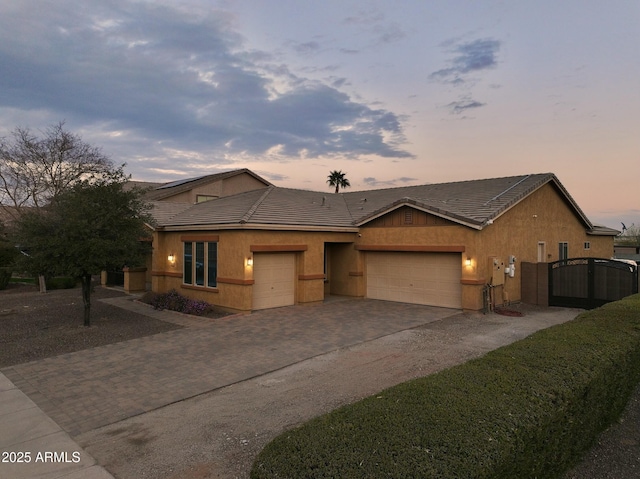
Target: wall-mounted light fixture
249, 261
468, 261
171, 258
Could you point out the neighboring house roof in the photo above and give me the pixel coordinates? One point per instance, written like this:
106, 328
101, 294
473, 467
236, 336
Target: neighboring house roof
145, 185
600, 230
172, 188
474, 203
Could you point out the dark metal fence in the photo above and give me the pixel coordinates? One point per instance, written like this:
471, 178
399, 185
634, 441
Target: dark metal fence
590, 282
115, 278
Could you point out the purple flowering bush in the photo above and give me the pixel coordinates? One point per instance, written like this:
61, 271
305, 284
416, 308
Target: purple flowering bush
174, 301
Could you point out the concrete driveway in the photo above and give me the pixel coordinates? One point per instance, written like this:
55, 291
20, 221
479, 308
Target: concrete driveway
247, 378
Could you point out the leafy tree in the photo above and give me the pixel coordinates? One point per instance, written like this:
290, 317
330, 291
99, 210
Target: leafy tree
337, 178
85, 229
33, 170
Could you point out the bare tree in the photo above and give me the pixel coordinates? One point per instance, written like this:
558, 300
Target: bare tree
34, 170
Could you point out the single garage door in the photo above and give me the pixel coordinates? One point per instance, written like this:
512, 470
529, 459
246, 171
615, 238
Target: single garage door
419, 278
274, 280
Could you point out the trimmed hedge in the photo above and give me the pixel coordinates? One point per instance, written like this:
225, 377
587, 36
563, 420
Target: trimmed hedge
526, 410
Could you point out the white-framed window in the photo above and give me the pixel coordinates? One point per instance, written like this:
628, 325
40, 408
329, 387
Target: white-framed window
542, 252
587, 245
200, 263
563, 250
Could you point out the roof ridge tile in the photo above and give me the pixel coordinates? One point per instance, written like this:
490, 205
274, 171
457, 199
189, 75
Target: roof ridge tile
247, 216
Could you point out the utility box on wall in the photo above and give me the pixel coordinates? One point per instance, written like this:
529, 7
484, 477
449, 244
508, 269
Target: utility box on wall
496, 269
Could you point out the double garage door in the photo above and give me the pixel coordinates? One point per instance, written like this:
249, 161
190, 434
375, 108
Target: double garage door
418, 278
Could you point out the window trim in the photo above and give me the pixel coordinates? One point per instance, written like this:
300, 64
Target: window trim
197, 251
563, 250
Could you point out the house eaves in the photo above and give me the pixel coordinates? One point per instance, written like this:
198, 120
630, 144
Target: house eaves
260, 227
552, 179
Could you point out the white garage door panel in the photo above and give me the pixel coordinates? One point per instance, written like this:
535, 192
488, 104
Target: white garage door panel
419, 278
274, 280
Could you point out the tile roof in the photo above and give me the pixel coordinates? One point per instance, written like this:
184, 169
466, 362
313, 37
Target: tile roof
163, 211
472, 203
268, 206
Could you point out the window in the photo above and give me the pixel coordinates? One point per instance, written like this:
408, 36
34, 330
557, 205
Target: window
203, 198
587, 245
563, 250
201, 263
542, 252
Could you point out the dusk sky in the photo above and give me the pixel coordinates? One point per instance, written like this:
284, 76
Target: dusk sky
393, 93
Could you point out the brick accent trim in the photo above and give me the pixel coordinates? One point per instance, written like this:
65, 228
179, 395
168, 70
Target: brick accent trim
166, 273
277, 248
412, 248
190, 238
242, 282
305, 277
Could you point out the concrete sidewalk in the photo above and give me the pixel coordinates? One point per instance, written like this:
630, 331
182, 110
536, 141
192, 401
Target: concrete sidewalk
33, 446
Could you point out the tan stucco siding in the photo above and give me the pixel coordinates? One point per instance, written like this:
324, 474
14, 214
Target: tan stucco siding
544, 216
239, 184
235, 275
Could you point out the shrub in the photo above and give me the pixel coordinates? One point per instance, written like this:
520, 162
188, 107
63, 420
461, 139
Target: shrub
8, 254
61, 283
174, 301
529, 409
5, 277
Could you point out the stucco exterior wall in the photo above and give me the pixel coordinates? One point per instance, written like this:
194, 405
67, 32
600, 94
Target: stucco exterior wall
235, 275
543, 217
239, 184
221, 187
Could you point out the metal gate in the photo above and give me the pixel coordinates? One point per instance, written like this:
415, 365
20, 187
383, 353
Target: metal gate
590, 282
115, 278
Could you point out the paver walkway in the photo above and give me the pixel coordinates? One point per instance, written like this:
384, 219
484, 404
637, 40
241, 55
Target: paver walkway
87, 389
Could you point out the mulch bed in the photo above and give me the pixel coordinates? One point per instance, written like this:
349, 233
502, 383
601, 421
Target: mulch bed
36, 325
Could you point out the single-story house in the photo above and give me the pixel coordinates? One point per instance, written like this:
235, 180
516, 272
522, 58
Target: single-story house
435, 244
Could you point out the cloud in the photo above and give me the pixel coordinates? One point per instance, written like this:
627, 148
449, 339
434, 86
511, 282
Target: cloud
306, 48
461, 106
171, 80
375, 23
375, 183
469, 57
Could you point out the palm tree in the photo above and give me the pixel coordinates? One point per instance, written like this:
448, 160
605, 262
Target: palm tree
337, 179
